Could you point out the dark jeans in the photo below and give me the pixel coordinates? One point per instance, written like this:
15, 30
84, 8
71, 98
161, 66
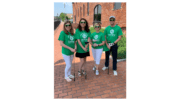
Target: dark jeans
114, 55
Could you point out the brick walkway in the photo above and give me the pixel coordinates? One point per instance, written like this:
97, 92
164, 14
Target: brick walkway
101, 86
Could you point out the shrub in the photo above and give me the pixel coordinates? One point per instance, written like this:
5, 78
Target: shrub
121, 52
93, 30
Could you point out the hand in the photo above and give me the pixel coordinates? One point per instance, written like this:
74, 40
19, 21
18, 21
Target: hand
86, 45
108, 47
95, 45
72, 50
85, 49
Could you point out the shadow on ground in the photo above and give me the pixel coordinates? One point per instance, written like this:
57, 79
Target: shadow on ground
102, 81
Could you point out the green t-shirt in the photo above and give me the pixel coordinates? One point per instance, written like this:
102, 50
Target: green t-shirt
83, 37
68, 40
97, 38
112, 34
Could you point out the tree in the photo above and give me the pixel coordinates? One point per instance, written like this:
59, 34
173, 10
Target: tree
63, 16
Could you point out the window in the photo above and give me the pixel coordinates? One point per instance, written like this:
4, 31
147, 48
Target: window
87, 8
97, 13
117, 6
83, 9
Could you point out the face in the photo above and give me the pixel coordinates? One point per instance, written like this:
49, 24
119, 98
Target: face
68, 26
97, 27
83, 23
112, 21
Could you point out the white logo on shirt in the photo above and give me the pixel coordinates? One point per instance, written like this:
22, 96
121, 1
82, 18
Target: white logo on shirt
71, 38
84, 35
96, 37
111, 33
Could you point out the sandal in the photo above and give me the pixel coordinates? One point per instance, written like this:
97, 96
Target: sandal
79, 73
68, 79
83, 72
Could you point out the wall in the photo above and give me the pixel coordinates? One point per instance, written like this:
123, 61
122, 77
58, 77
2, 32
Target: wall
106, 12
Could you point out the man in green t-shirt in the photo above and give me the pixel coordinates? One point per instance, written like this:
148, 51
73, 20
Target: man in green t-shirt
112, 34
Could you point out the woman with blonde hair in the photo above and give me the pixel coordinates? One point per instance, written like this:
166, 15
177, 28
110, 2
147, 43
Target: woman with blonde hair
97, 41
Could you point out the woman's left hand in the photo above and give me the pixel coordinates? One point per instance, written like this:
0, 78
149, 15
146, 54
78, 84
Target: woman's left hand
86, 45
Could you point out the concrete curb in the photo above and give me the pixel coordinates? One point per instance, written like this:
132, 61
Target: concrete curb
118, 60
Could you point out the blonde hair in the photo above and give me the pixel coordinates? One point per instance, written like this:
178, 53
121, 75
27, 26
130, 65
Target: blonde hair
97, 24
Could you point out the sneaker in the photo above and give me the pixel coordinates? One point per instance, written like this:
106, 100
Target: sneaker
71, 76
97, 72
68, 79
115, 73
94, 68
104, 68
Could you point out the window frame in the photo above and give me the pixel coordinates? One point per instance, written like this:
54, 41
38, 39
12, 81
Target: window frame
97, 12
118, 8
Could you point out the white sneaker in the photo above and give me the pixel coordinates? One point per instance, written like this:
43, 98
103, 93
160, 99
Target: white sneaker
104, 68
68, 79
71, 76
94, 68
97, 72
115, 73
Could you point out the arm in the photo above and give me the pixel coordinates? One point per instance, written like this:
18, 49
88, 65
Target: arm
103, 42
119, 35
81, 45
107, 43
75, 45
119, 38
90, 41
65, 46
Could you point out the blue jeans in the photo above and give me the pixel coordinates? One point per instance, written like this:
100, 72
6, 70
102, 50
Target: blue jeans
114, 55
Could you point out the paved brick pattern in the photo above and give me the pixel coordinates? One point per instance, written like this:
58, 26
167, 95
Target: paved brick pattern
102, 86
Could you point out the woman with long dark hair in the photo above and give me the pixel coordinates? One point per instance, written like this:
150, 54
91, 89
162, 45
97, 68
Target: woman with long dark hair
67, 41
83, 35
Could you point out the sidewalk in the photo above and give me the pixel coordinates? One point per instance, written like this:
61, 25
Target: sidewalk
101, 86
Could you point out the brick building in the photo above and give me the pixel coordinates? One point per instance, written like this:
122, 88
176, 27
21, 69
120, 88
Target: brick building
100, 12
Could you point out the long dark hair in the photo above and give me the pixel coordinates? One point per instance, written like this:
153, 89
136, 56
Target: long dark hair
71, 30
86, 27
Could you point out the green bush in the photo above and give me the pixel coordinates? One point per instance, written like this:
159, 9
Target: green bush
92, 30
121, 52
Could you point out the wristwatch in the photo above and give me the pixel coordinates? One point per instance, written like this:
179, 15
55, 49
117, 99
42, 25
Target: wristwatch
98, 44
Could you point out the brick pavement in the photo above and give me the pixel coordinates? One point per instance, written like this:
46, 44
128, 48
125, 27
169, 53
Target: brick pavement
101, 86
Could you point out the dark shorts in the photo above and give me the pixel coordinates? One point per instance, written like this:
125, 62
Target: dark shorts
82, 55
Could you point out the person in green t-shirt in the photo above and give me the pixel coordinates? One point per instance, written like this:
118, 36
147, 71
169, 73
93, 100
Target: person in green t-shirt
67, 41
97, 41
113, 35
82, 34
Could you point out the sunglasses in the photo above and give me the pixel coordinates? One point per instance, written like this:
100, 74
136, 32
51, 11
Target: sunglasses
67, 25
82, 22
111, 19
97, 27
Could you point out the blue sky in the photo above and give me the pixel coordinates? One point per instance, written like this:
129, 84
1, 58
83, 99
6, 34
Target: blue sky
59, 7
